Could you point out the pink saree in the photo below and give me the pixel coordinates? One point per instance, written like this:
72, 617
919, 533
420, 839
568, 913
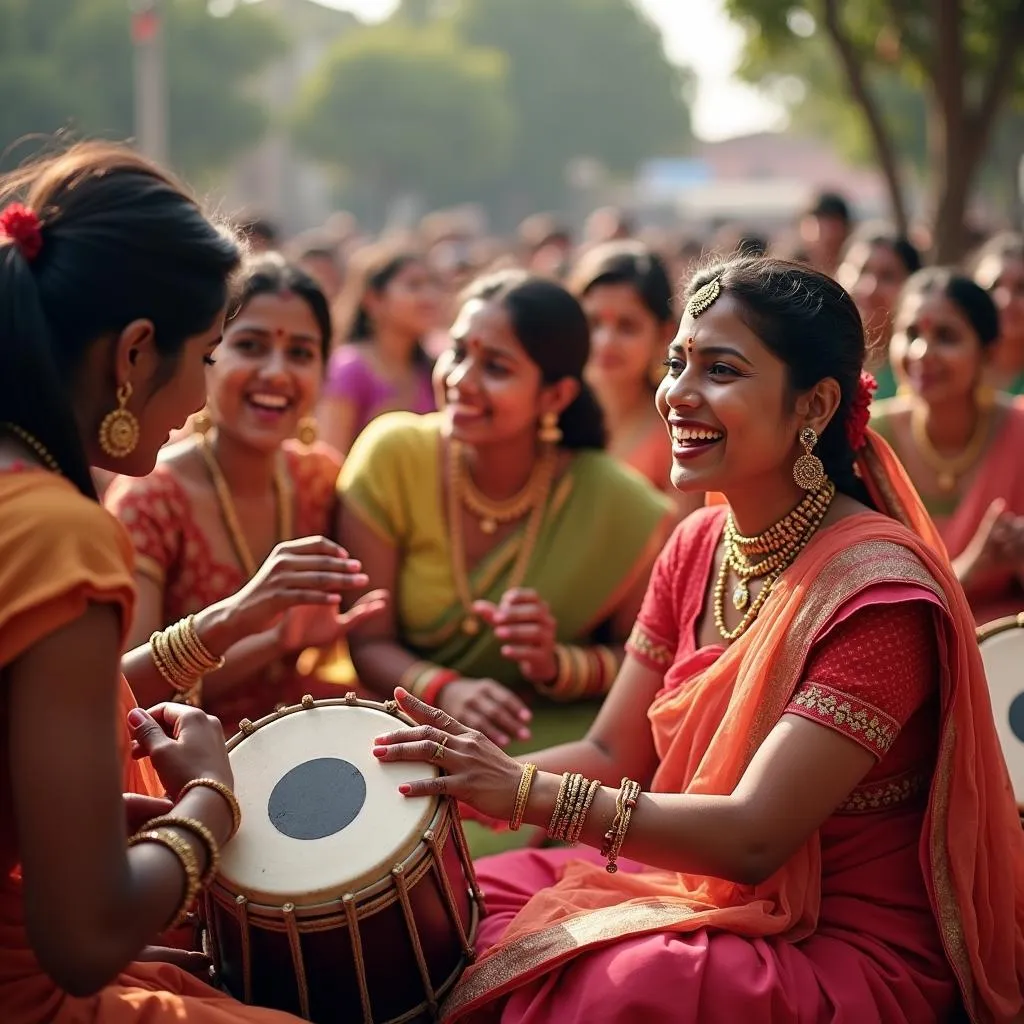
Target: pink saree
901, 898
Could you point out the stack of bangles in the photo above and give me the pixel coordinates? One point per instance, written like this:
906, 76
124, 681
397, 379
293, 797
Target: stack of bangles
165, 830
425, 680
582, 672
182, 659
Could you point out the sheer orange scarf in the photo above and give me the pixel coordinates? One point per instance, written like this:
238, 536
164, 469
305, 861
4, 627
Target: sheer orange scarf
972, 847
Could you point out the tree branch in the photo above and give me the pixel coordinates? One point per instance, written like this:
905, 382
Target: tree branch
994, 92
884, 148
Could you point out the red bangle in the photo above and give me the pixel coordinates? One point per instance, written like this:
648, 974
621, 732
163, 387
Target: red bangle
436, 684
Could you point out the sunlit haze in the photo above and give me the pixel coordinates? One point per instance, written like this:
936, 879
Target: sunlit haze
697, 33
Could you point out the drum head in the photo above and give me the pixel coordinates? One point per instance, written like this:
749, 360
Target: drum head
1002, 650
321, 816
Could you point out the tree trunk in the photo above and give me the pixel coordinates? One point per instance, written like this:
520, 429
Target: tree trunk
959, 134
885, 151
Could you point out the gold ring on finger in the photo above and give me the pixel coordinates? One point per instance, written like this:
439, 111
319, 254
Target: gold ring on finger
439, 749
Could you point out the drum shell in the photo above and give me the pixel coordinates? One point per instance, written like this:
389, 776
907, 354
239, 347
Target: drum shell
285, 956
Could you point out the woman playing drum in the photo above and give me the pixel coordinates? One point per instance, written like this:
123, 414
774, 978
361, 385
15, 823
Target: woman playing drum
113, 292
798, 757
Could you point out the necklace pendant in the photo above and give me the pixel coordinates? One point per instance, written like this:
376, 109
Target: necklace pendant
740, 596
471, 625
488, 525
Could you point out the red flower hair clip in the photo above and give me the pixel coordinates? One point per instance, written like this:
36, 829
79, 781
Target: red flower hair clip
860, 413
21, 225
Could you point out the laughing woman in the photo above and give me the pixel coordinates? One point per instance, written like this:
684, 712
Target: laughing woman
220, 501
798, 756
517, 549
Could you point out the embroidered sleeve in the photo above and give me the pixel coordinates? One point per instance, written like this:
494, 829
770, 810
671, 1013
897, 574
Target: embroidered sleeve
151, 510
870, 673
655, 635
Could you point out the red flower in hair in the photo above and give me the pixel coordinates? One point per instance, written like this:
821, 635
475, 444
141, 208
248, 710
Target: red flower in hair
22, 227
860, 413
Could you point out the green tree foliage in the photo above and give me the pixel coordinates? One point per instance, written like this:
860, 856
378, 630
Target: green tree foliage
958, 62
69, 63
587, 78
411, 109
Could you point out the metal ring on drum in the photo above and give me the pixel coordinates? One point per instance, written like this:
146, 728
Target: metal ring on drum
339, 898
1002, 652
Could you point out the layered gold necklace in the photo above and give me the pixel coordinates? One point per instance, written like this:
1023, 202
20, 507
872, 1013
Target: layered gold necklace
229, 514
949, 468
531, 500
779, 545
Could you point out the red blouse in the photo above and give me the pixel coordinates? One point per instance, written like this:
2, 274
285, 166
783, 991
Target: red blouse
871, 675
172, 550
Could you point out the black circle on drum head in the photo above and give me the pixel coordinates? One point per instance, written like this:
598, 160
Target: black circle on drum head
1015, 716
317, 798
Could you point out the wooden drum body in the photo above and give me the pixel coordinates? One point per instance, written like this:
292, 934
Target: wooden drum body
1002, 650
339, 899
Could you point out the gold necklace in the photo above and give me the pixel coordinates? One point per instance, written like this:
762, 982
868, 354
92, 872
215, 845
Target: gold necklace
948, 468
492, 513
36, 445
230, 516
541, 485
788, 536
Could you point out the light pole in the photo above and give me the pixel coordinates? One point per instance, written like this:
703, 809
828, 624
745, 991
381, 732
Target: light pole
150, 81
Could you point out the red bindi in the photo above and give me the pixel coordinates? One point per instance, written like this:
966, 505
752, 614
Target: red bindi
689, 346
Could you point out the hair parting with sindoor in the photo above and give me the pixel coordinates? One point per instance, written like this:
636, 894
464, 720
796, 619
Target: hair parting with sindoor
550, 324
122, 241
809, 322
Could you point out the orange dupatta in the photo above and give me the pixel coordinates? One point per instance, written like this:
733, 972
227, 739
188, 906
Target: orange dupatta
972, 846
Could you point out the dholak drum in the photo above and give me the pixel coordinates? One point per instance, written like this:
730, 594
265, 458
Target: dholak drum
1002, 650
339, 899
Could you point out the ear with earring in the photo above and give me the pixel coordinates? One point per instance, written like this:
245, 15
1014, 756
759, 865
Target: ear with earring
119, 431
549, 432
809, 470
307, 432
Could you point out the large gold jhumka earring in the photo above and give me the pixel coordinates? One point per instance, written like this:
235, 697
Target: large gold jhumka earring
779, 545
808, 470
119, 431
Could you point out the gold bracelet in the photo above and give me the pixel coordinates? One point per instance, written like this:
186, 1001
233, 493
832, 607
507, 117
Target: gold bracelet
412, 675
201, 832
225, 792
199, 650
186, 857
559, 800
572, 795
160, 649
580, 816
523, 794
629, 791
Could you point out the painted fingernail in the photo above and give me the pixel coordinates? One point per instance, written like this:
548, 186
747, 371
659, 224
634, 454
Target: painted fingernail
405, 789
502, 632
379, 751
526, 714
401, 692
502, 740
524, 734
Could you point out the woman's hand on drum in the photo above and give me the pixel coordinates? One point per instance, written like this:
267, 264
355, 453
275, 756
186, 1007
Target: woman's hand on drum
183, 742
523, 622
318, 625
998, 542
308, 571
487, 706
476, 770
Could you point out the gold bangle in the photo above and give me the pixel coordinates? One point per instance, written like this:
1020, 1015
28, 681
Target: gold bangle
629, 791
522, 795
186, 857
568, 804
201, 832
225, 792
165, 665
580, 816
200, 651
559, 800
412, 675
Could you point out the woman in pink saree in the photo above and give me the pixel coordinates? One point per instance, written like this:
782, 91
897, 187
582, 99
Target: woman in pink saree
814, 816
959, 441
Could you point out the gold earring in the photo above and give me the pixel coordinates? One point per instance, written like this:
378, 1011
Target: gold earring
809, 470
550, 432
119, 431
201, 422
307, 430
